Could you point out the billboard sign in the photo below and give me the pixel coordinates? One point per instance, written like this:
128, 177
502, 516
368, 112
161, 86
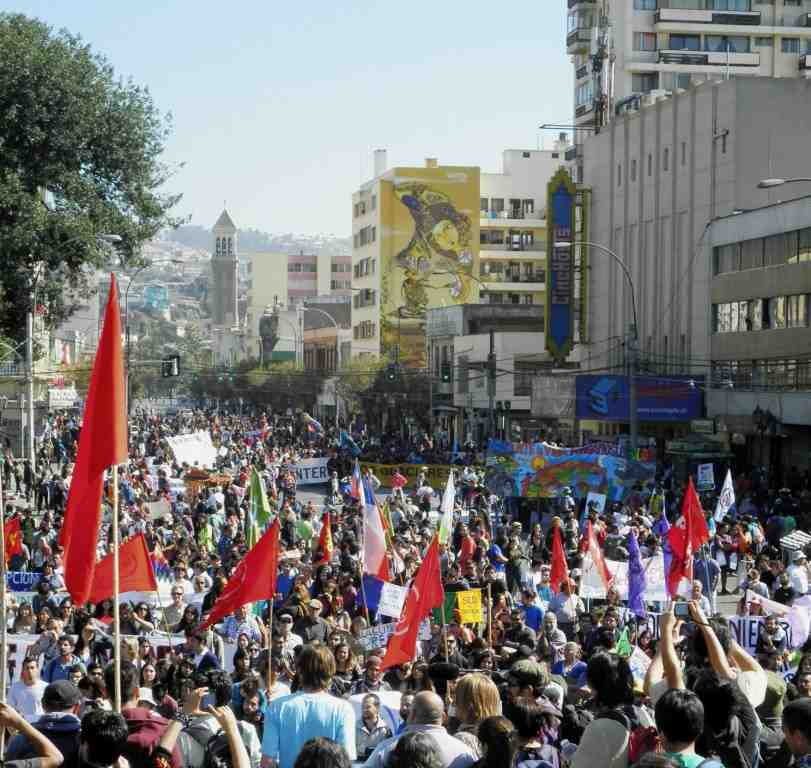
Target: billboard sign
605, 398
560, 304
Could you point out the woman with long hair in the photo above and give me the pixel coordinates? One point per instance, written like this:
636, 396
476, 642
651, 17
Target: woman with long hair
347, 672
104, 611
497, 737
189, 620
476, 698
24, 621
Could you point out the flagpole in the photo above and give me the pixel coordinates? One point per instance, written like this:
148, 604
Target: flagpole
270, 645
444, 630
490, 614
116, 586
3, 618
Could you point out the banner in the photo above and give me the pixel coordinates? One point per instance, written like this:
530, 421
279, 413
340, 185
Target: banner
607, 398
375, 637
543, 471
22, 581
591, 585
311, 471
195, 449
392, 599
745, 630
705, 479
470, 606
437, 473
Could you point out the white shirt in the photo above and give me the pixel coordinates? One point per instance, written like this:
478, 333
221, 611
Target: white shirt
798, 574
27, 699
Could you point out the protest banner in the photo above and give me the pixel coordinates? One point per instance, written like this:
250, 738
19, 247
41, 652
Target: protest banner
745, 630
591, 585
159, 509
470, 606
195, 449
639, 662
22, 581
392, 599
311, 471
437, 474
705, 477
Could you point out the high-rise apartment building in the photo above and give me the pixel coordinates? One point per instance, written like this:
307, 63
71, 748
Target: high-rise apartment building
629, 52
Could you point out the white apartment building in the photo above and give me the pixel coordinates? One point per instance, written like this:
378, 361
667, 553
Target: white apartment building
512, 226
623, 50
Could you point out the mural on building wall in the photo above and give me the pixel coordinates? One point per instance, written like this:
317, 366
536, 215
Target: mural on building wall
430, 231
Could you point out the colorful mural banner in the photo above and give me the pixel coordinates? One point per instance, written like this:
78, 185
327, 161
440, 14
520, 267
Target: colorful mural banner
437, 473
543, 471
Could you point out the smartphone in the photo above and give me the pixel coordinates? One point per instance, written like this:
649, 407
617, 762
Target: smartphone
207, 701
681, 610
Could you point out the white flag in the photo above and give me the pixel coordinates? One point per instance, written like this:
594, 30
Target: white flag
446, 507
726, 501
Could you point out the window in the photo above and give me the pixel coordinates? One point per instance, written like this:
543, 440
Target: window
779, 249
764, 42
723, 43
633, 169
528, 207
644, 41
685, 43
483, 204
751, 254
666, 159
776, 309
645, 83
755, 312
804, 250
790, 44
727, 258
645, 5
684, 153
374, 202
797, 311
584, 94
650, 164
619, 174
497, 204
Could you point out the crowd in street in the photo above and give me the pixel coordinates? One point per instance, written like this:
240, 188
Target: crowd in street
545, 679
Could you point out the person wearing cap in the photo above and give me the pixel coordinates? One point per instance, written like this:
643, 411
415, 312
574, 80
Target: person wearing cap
242, 622
798, 573
526, 680
27, 692
311, 626
284, 631
60, 722
372, 680
60, 667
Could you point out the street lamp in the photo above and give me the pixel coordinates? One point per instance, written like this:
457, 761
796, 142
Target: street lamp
771, 183
127, 318
633, 337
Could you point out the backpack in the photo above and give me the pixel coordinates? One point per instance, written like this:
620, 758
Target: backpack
544, 757
216, 750
641, 739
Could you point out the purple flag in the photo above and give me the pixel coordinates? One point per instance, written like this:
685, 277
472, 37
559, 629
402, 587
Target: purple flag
637, 583
660, 528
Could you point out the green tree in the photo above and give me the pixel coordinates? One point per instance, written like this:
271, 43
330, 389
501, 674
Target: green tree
71, 127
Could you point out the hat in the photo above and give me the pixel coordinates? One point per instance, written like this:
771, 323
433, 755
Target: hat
61, 695
799, 555
315, 604
528, 672
443, 670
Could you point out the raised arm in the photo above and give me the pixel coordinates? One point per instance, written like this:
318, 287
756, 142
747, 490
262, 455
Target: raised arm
670, 659
44, 748
718, 659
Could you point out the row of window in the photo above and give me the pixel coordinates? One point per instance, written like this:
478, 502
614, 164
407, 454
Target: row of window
361, 207
365, 267
785, 248
746, 374
584, 93
364, 330
514, 273
649, 162
344, 267
518, 207
709, 5
298, 267
516, 239
224, 246
647, 41
761, 314
506, 298
366, 297
340, 285
364, 236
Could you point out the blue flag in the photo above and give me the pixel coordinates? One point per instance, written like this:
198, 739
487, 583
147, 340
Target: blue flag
348, 443
372, 587
637, 582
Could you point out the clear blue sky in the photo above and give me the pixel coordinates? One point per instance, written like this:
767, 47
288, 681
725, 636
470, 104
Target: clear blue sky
278, 105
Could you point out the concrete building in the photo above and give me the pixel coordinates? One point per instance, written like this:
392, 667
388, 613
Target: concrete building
512, 227
622, 50
760, 291
311, 275
458, 341
267, 287
659, 178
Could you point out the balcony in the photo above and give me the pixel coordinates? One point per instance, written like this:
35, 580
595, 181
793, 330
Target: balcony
805, 63
573, 152
582, 72
578, 40
503, 218
534, 250
534, 279
584, 109
575, 3
683, 15
709, 58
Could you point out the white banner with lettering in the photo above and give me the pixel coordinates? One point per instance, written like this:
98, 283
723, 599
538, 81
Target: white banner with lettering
311, 471
195, 449
591, 584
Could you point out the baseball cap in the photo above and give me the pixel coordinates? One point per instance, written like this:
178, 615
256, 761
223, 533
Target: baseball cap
61, 695
528, 672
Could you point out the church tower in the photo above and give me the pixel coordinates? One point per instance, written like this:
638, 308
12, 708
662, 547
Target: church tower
225, 270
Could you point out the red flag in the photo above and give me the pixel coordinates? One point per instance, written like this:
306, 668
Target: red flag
426, 593
559, 571
14, 538
685, 538
253, 579
134, 571
597, 558
102, 443
325, 540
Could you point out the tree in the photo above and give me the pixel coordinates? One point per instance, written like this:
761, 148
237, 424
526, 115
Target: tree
355, 378
80, 156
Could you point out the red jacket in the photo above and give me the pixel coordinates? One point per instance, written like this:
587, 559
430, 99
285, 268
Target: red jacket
146, 728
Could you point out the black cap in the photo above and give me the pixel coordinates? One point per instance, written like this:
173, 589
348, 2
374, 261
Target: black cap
61, 695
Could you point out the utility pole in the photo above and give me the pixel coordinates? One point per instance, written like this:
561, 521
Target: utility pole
29, 382
491, 383
633, 416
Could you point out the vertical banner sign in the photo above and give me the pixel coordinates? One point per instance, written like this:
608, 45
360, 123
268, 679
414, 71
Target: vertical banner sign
560, 265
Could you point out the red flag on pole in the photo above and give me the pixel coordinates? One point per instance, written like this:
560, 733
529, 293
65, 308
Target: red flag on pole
426, 593
14, 538
253, 579
593, 548
685, 538
325, 540
102, 443
560, 570
134, 568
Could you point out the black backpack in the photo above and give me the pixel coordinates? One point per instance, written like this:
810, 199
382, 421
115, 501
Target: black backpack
218, 752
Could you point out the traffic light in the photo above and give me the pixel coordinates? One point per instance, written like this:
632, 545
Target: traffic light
170, 367
445, 374
392, 373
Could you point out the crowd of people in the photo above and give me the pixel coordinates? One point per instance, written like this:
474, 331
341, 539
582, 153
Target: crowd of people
544, 680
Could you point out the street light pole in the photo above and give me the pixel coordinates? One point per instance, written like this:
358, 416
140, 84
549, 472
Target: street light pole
632, 341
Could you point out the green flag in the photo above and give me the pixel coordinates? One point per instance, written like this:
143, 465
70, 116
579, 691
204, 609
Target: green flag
450, 605
623, 647
258, 509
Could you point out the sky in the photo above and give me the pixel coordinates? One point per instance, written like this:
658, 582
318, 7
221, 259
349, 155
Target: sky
277, 107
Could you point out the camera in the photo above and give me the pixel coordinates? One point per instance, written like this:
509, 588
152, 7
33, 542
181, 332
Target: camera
681, 610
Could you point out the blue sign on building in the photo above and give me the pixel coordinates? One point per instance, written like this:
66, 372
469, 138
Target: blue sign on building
605, 398
560, 306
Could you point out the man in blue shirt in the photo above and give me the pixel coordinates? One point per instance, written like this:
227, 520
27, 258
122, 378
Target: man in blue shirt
533, 614
310, 712
60, 667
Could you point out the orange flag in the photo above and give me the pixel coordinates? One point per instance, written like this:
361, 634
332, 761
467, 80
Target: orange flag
253, 579
14, 538
560, 570
102, 443
325, 540
425, 594
134, 569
